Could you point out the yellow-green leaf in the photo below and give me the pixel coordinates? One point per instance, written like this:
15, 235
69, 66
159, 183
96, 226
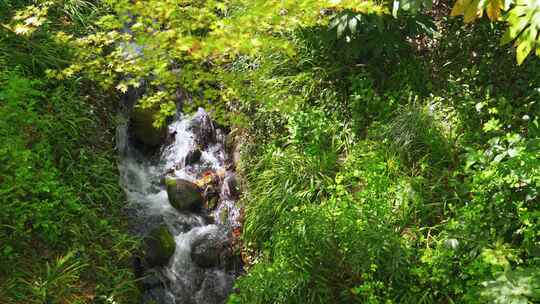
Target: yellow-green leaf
472, 11
523, 51
459, 8
494, 9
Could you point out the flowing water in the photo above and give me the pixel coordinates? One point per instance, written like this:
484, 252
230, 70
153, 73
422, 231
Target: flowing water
181, 281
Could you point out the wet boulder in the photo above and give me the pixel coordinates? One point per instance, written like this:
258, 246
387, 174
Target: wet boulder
150, 280
215, 288
212, 248
212, 202
184, 195
159, 246
204, 129
193, 157
143, 129
230, 186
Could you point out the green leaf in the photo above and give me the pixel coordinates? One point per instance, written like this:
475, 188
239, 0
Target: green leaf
353, 22
523, 27
492, 125
523, 50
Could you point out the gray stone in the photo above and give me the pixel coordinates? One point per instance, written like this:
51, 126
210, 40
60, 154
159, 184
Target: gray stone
231, 188
212, 248
204, 129
215, 288
158, 295
151, 280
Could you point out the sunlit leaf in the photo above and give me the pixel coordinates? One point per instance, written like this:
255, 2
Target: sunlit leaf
473, 9
523, 27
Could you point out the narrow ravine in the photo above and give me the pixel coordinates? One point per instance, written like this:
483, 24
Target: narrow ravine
182, 191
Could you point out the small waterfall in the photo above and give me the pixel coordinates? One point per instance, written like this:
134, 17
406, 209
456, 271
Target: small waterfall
182, 280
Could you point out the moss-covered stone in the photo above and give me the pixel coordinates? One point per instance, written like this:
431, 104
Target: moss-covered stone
142, 125
184, 195
224, 215
159, 246
213, 202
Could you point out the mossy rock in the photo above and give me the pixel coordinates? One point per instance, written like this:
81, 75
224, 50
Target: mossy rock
224, 215
213, 202
230, 142
159, 246
184, 195
142, 125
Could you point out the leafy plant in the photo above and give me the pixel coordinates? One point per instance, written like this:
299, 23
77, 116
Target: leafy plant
58, 282
523, 19
59, 181
513, 287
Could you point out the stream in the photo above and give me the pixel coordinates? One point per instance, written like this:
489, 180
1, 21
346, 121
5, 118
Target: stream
203, 267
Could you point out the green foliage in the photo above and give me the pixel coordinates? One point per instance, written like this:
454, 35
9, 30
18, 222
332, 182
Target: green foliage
194, 38
322, 248
474, 9
391, 156
524, 23
412, 6
513, 287
429, 192
63, 237
414, 134
300, 175
57, 283
20, 97
59, 183
27, 31
523, 18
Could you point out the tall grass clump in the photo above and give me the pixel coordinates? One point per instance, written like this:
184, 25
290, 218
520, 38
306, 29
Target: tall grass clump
57, 282
282, 180
304, 168
416, 135
342, 247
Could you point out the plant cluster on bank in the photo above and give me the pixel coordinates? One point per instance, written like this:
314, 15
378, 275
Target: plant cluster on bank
401, 176
63, 238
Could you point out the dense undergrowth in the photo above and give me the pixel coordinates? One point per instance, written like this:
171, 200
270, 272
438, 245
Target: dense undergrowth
62, 235
409, 178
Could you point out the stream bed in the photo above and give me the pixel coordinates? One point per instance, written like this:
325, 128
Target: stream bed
200, 267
